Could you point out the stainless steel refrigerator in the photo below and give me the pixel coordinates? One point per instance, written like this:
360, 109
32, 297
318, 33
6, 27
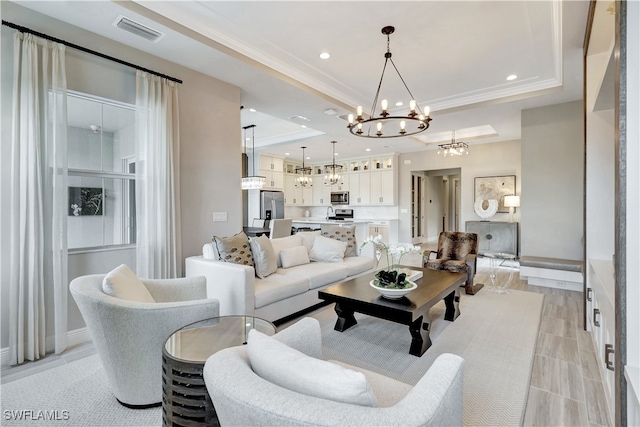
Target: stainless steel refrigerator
271, 204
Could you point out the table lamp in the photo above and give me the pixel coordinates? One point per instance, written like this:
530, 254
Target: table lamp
511, 202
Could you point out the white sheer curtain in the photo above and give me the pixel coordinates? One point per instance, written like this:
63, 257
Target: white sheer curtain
159, 250
38, 238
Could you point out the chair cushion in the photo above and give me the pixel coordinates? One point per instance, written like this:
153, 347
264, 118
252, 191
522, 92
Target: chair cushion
234, 249
288, 368
344, 234
291, 257
123, 283
457, 245
327, 250
451, 265
264, 257
281, 243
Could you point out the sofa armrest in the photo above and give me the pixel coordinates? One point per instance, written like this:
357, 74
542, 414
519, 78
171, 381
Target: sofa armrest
231, 284
173, 290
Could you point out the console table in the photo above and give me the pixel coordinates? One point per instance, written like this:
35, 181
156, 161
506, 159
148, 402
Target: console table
495, 236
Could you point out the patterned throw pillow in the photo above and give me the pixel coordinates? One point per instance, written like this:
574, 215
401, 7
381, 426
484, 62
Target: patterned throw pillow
344, 234
234, 249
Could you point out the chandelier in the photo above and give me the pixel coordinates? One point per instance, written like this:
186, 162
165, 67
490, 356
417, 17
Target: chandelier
453, 148
305, 173
394, 126
332, 171
252, 182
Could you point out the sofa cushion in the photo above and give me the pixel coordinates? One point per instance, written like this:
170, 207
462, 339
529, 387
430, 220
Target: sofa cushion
344, 234
123, 283
234, 249
264, 257
277, 287
288, 368
291, 257
281, 243
317, 274
358, 264
308, 237
327, 250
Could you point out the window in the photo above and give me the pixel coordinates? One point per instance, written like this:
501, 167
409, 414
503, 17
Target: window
101, 158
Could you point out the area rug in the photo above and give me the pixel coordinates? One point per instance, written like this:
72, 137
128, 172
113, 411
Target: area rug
495, 334
74, 394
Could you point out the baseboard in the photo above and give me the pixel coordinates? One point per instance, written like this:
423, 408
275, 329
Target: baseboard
75, 337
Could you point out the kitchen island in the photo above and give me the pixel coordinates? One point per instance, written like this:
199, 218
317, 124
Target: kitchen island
361, 230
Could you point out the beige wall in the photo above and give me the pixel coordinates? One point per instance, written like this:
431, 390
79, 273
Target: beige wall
209, 129
501, 158
552, 181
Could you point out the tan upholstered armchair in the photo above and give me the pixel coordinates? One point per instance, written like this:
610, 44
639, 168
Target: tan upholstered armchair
457, 252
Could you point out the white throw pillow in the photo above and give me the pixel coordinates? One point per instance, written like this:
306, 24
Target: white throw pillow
264, 257
327, 250
291, 257
208, 252
123, 283
281, 243
289, 368
308, 237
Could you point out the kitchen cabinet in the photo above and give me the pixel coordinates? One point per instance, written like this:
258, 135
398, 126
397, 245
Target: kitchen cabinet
381, 229
360, 189
383, 188
272, 169
295, 194
321, 192
495, 236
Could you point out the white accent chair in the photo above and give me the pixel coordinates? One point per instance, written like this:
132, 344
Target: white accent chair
129, 335
280, 228
242, 398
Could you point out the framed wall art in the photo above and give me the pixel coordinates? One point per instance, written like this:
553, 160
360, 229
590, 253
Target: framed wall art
85, 201
495, 187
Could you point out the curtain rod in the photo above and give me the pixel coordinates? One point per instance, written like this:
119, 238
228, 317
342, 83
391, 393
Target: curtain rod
84, 49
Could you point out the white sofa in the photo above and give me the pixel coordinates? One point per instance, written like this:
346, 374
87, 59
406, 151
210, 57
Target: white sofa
244, 398
285, 292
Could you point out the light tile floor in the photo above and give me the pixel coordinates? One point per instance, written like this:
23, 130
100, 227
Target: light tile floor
565, 390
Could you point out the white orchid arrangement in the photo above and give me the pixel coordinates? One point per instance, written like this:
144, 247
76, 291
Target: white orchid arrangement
393, 253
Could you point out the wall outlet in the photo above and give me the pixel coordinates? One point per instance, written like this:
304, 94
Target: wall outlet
407, 161
219, 216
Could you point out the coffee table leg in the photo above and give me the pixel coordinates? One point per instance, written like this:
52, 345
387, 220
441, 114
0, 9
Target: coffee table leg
346, 319
420, 340
452, 303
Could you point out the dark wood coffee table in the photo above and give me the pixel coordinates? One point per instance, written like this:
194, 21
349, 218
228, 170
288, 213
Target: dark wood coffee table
356, 295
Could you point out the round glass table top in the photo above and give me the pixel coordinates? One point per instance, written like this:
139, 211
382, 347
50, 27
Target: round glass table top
499, 255
197, 341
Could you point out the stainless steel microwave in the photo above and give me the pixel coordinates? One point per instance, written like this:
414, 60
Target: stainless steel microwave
339, 197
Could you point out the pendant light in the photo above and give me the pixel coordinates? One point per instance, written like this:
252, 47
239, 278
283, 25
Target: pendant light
453, 148
252, 182
305, 173
332, 171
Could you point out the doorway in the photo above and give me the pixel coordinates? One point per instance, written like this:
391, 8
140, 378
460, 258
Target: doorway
441, 196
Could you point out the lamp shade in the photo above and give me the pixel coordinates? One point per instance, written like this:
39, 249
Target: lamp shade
511, 201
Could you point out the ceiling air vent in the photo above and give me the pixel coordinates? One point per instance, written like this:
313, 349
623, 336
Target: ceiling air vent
138, 29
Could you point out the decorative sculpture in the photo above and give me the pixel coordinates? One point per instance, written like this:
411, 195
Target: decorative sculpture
489, 211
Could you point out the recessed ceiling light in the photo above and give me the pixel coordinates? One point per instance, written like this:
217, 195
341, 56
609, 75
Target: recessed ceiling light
512, 77
286, 154
308, 158
248, 139
335, 154
253, 110
399, 104
325, 55
303, 126
368, 149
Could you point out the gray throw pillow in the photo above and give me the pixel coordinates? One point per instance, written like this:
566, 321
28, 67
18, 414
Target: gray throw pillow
344, 234
234, 249
264, 256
